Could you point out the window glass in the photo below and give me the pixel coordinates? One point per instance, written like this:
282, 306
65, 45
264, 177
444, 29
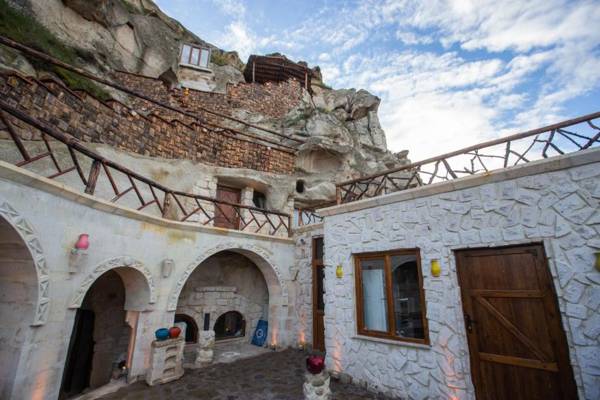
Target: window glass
185, 54
259, 200
320, 288
374, 294
195, 56
318, 248
204, 54
407, 296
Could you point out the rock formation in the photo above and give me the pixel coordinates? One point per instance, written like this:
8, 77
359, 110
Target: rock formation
341, 128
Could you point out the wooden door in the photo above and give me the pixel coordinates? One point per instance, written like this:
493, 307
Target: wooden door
517, 346
78, 365
226, 216
318, 293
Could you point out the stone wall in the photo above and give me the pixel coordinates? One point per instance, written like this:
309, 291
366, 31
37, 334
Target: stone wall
225, 282
303, 238
271, 99
539, 202
17, 304
115, 124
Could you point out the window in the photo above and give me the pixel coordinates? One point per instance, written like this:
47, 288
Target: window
389, 296
259, 199
194, 55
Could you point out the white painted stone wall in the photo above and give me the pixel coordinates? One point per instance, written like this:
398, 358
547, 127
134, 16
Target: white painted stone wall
560, 208
50, 217
303, 237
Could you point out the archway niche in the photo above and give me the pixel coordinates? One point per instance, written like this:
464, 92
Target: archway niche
18, 298
191, 327
229, 292
104, 331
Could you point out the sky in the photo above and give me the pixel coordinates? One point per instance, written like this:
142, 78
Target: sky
450, 73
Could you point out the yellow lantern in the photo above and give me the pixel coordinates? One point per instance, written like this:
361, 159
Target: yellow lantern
339, 271
436, 268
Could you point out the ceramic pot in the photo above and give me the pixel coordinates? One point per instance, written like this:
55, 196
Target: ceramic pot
174, 332
162, 334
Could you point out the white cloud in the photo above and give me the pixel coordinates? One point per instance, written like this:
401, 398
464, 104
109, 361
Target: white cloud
234, 8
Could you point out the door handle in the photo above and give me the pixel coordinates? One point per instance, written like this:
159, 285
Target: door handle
469, 323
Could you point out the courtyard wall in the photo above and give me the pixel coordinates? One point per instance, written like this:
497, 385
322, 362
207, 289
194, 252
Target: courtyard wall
51, 216
555, 202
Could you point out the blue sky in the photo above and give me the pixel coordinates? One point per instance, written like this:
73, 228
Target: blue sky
450, 73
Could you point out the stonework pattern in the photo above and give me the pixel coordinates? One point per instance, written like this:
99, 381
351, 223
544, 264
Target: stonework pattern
561, 209
23, 227
107, 265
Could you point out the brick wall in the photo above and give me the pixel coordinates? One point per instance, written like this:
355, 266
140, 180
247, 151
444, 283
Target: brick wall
270, 99
115, 124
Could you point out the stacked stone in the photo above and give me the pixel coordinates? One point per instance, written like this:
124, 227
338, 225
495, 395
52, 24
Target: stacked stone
115, 124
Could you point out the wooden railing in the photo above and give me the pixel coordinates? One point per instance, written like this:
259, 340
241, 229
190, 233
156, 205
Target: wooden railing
562, 138
49, 149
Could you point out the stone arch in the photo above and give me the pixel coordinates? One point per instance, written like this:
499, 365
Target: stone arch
277, 290
29, 237
260, 257
139, 283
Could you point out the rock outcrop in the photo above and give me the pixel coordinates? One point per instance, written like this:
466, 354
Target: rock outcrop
341, 129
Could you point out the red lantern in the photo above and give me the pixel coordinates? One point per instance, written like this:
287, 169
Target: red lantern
83, 242
315, 364
174, 332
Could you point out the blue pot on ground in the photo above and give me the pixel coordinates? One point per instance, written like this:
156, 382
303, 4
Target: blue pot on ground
162, 334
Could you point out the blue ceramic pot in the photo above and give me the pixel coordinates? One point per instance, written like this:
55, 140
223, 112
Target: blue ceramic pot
162, 334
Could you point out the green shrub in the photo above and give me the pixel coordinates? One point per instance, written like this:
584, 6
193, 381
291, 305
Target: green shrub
24, 29
218, 58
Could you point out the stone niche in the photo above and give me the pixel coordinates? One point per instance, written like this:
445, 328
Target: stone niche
226, 283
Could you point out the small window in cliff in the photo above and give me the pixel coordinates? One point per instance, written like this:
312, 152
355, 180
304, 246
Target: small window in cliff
260, 200
195, 56
300, 186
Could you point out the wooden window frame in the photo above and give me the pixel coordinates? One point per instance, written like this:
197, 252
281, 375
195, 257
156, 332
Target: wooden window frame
189, 60
391, 321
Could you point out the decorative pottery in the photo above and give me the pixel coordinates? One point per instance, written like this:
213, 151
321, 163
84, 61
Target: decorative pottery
162, 334
174, 332
83, 242
315, 364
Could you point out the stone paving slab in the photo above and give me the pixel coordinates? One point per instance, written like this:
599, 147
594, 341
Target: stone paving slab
273, 376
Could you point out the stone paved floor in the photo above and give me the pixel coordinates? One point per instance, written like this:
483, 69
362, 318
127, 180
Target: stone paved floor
273, 376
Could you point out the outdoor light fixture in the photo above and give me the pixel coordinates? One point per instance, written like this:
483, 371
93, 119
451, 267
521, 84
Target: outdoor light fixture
83, 242
79, 252
597, 264
339, 271
436, 268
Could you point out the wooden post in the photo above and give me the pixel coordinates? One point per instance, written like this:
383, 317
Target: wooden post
93, 177
338, 195
253, 69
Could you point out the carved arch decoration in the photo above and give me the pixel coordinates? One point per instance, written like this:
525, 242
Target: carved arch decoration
113, 263
29, 236
247, 250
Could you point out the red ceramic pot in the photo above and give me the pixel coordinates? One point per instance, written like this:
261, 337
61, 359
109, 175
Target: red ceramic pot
174, 332
315, 364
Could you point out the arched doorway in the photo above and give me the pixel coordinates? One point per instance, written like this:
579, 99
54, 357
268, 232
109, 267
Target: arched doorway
191, 328
228, 293
104, 331
18, 298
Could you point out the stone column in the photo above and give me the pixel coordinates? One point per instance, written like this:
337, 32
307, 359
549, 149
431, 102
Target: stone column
316, 387
206, 344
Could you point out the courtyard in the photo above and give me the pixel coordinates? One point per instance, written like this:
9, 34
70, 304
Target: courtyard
271, 376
